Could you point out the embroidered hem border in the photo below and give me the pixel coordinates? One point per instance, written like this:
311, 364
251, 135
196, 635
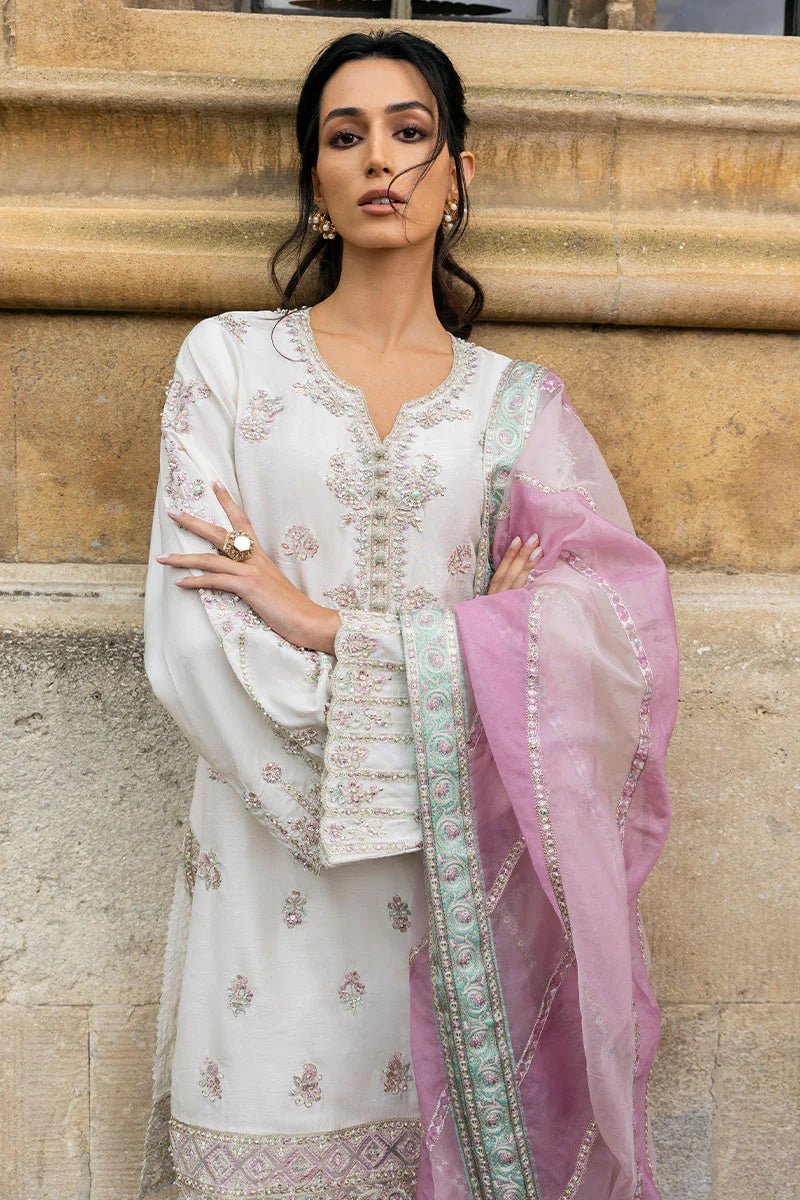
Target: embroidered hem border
371, 1162
467, 995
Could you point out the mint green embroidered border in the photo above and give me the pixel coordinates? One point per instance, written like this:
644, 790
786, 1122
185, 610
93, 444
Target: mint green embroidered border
513, 408
467, 995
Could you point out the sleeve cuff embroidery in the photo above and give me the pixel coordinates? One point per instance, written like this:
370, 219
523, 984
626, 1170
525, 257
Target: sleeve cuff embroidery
369, 794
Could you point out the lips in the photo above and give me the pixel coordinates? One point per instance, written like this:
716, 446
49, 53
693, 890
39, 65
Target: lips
380, 194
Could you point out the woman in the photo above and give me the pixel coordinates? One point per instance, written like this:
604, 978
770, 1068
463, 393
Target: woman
404, 956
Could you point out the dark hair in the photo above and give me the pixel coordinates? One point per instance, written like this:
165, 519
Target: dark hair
453, 308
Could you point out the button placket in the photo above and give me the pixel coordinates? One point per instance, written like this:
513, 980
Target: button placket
379, 535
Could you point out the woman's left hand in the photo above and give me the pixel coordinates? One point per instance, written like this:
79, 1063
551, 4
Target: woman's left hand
257, 581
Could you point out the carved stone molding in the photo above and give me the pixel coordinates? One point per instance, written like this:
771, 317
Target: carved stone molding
149, 192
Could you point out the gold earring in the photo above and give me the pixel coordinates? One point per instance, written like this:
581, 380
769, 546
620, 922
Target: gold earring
450, 211
321, 222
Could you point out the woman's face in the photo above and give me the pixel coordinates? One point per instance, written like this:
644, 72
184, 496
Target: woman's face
365, 146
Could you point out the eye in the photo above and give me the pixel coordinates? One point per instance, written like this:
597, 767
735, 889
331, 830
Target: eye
413, 129
334, 141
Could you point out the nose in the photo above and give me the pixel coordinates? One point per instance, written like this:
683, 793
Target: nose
379, 160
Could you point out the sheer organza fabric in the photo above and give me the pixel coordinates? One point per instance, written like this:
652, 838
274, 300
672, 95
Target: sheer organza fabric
569, 695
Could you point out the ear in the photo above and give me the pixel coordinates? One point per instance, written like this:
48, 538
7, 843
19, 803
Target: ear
315, 182
467, 166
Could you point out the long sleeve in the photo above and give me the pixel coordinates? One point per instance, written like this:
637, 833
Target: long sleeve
251, 704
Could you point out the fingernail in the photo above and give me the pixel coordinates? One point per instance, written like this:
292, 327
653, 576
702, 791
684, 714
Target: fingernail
516, 541
533, 538
161, 558
537, 553
171, 513
220, 485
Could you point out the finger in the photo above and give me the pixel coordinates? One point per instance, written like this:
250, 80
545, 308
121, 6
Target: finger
507, 559
204, 529
200, 562
528, 556
218, 583
236, 516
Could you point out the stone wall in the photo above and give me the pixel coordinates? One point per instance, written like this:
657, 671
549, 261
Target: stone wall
635, 228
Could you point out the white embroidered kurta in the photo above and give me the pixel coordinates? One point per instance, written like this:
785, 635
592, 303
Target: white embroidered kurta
283, 1055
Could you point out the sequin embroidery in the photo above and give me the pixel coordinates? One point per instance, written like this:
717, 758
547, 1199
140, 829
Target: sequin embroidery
351, 992
307, 1089
240, 995
396, 1075
210, 1081
294, 909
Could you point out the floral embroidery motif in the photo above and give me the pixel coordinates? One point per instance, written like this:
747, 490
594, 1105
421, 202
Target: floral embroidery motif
300, 543
233, 609
294, 909
460, 560
351, 992
343, 596
213, 775
419, 597
347, 758
210, 1082
234, 325
307, 1090
396, 1075
399, 914
379, 510
255, 423
209, 869
271, 772
181, 394
240, 996
357, 645
191, 851
181, 491
352, 796
252, 802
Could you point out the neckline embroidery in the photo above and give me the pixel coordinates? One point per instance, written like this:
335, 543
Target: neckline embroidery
461, 371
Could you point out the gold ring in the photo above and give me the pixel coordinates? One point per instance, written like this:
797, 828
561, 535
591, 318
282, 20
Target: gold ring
238, 545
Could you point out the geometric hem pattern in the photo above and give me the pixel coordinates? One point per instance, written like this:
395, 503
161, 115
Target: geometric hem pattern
375, 1161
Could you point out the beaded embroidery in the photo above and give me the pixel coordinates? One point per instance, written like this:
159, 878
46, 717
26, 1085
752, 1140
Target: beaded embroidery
210, 1081
209, 869
382, 490
351, 992
396, 1075
375, 1161
307, 1090
236, 326
300, 543
181, 394
294, 909
240, 995
255, 423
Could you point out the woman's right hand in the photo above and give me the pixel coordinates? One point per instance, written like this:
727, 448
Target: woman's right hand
515, 565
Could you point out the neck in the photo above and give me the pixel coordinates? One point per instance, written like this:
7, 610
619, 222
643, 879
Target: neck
385, 296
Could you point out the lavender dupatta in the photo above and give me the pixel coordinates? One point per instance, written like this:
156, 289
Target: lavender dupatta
541, 720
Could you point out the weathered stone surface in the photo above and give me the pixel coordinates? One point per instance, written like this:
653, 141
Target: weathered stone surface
600, 204
96, 787
8, 476
704, 462
104, 34
680, 1102
44, 1116
703, 459
121, 1046
88, 393
756, 1148
722, 908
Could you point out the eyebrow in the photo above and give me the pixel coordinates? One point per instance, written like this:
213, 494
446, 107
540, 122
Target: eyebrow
401, 106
